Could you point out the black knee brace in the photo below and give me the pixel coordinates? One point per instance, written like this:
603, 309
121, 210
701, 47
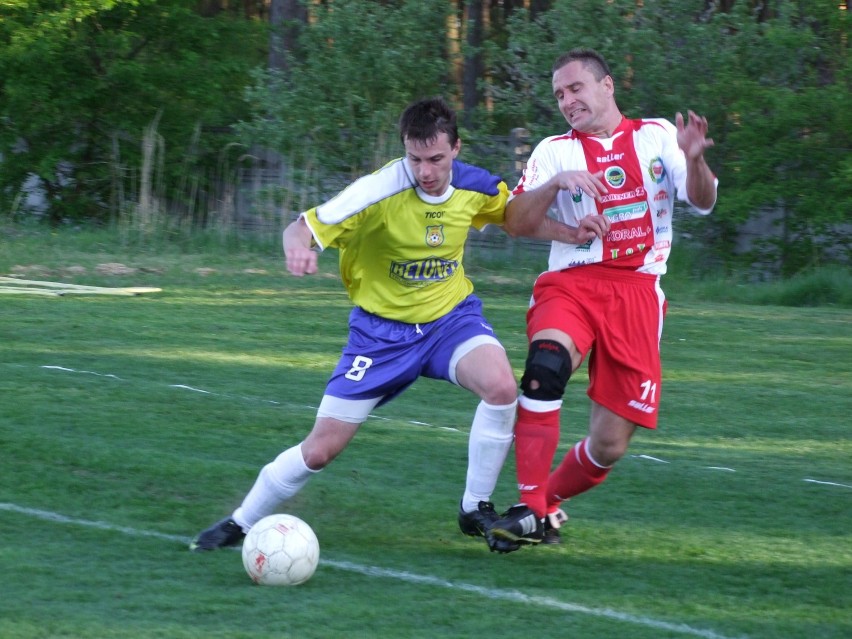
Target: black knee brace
549, 364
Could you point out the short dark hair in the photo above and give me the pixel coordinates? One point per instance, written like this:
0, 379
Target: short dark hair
425, 119
590, 58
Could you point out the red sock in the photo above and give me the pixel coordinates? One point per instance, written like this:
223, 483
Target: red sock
536, 438
577, 473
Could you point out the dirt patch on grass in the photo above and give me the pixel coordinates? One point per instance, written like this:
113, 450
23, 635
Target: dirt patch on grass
115, 268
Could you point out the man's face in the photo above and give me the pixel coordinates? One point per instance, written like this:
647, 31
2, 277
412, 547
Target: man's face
586, 103
432, 162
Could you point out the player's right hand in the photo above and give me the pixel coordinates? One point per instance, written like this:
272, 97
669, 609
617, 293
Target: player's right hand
579, 182
301, 261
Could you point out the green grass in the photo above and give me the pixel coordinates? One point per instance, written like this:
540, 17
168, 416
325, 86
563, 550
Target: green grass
734, 519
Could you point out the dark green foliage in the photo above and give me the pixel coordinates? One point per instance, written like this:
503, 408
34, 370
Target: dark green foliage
354, 71
787, 138
80, 82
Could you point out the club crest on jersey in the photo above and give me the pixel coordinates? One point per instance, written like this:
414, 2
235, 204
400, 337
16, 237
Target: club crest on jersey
656, 170
615, 177
435, 235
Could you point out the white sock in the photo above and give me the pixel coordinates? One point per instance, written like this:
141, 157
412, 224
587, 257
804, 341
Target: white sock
491, 435
277, 482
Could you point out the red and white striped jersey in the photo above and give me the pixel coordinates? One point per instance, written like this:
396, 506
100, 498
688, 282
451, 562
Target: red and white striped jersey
644, 170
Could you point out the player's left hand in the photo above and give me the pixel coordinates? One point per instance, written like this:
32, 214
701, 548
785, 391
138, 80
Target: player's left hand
692, 135
592, 227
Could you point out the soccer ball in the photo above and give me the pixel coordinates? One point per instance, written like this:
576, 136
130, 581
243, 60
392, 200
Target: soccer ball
280, 550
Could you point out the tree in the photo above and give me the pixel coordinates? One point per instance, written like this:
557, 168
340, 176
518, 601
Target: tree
80, 81
789, 134
359, 64
287, 18
474, 65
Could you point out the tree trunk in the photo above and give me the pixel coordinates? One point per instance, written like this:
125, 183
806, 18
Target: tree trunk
286, 18
473, 64
537, 7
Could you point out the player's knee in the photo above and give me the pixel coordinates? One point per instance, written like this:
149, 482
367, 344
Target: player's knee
317, 459
317, 454
503, 392
547, 370
607, 452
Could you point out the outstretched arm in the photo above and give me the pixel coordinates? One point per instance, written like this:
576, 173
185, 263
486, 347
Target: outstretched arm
692, 139
298, 239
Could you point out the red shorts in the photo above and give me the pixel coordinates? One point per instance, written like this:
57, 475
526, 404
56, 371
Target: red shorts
618, 316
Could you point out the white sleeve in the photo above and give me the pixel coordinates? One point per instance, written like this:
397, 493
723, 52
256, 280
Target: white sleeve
540, 167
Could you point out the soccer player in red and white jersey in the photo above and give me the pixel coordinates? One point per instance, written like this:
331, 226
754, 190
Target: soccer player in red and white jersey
612, 182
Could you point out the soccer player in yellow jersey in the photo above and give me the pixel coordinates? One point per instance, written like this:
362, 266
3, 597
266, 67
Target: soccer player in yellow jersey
400, 233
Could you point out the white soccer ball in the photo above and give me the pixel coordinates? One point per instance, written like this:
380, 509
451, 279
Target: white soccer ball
280, 550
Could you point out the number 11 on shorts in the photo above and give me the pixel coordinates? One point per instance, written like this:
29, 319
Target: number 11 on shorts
649, 391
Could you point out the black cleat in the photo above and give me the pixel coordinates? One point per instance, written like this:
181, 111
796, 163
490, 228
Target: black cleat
221, 534
520, 525
552, 523
551, 535
502, 546
477, 522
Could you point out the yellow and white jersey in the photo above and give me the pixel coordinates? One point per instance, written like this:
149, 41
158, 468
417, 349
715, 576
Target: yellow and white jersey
400, 249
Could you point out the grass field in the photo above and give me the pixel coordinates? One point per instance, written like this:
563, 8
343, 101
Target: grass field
130, 423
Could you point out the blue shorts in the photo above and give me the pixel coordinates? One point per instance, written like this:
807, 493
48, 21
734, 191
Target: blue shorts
384, 357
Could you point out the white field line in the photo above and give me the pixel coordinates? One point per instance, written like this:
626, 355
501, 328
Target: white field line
826, 483
65, 369
648, 457
413, 422
513, 596
72, 370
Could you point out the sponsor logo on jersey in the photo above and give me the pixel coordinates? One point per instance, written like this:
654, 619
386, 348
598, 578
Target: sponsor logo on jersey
615, 177
662, 212
626, 212
656, 170
660, 196
645, 408
620, 235
609, 157
616, 252
620, 197
435, 235
530, 175
434, 215
423, 272
661, 229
